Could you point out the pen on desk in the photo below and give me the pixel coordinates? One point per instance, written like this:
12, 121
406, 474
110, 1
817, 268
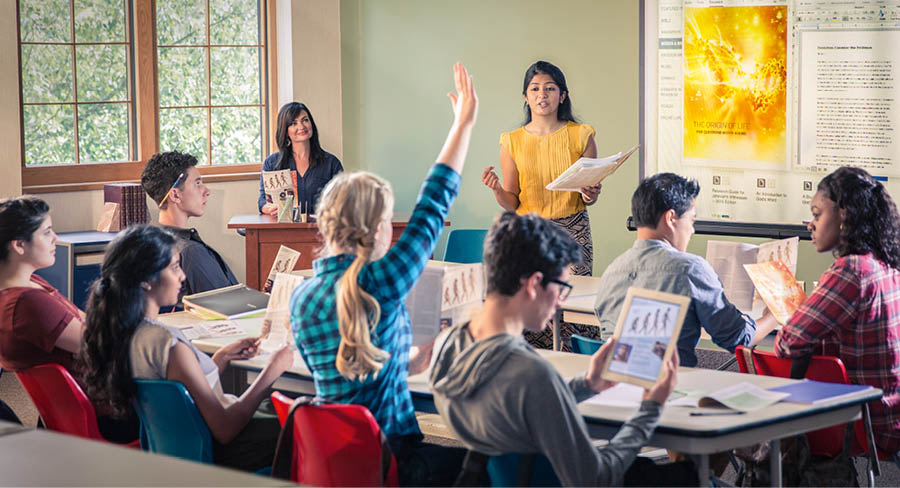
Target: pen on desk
705, 414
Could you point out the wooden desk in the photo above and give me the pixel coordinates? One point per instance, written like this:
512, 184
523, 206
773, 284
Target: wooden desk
264, 235
45, 458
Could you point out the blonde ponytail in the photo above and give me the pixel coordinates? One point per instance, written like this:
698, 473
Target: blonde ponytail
351, 206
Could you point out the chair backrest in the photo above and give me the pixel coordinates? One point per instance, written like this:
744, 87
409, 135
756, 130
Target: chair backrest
824, 442
170, 421
584, 345
335, 445
465, 245
507, 470
60, 401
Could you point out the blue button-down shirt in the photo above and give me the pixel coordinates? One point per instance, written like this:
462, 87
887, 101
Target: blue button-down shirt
389, 279
656, 265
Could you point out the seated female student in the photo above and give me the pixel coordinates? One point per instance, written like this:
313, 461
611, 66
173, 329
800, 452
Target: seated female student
299, 151
349, 320
123, 340
855, 309
37, 324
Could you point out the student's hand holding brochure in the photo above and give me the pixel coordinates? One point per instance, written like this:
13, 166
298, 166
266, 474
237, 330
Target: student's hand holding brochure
777, 287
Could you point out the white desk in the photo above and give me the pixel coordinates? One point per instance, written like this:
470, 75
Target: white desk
578, 307
45, 458
676, 430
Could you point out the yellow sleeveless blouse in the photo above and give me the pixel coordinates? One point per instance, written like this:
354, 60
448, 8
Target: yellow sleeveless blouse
539, 160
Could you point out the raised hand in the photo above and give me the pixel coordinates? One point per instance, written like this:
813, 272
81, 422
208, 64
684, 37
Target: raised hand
465, 100
490, 179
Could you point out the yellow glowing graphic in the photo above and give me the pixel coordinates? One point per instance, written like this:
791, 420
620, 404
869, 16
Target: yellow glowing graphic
735, 83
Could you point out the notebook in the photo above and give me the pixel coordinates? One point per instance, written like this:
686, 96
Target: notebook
809, 391
230, 302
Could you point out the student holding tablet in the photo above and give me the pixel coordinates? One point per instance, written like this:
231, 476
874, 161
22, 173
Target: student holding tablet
500, 396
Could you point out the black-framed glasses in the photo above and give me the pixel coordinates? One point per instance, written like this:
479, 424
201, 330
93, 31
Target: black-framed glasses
565, 288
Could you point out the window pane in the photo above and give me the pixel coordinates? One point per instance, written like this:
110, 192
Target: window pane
49, 135
182, 76
184, 130
236, 135
45, 21
46, 73
102, 73
234, 22
103, 132
99, 21
181, 22
235, 75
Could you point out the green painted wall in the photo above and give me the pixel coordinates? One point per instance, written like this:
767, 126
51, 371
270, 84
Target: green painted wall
396, 70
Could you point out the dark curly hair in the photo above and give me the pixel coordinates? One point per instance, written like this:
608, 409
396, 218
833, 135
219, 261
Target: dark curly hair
20, 217
658, 194
161, 172
286, 115
869, 220
115, 309
564, 112
517, 246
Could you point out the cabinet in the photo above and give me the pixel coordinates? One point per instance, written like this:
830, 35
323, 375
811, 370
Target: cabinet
78, 259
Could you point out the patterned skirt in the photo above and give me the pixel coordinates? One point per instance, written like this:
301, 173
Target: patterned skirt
578, 226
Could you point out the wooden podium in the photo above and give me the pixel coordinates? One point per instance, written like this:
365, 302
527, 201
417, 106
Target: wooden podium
264, 235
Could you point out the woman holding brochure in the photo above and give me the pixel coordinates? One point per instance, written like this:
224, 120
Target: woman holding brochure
548, 143
854, 312
123, 341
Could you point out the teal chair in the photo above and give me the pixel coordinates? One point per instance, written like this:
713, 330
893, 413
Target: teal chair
517, 469
584, 345
170, 421
465, 245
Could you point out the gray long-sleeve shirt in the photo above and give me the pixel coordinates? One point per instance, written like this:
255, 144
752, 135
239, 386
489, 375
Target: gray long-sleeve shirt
655, 265
499, 396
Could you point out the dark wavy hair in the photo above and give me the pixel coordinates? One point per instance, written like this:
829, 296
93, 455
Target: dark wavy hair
20, 217
869, 220
116, 308
517, 246
543, 67
656, 194
287, 114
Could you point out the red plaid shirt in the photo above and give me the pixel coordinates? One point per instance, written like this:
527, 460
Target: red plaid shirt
856, 308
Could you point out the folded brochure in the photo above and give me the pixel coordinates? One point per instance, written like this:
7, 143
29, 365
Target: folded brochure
589, 171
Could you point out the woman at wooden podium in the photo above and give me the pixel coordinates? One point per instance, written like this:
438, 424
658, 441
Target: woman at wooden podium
299, 151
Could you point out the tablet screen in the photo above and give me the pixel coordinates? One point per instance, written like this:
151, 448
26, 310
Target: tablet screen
646, 333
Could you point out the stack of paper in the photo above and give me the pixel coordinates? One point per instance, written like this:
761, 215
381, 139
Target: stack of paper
589, 171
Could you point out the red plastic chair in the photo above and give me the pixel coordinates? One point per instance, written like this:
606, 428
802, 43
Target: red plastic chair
828, 441
61, 402
335, 445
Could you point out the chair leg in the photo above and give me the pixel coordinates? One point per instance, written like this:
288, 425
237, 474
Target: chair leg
875, 468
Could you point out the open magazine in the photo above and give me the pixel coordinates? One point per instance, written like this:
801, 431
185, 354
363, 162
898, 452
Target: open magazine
284, 262
728, 258
280, 186
589, 171
445, 294
777, 287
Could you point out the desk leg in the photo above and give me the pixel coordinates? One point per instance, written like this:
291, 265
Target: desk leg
775, 462
703, 471
557, 320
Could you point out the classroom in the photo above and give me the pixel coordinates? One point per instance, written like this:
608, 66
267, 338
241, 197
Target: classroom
375, 74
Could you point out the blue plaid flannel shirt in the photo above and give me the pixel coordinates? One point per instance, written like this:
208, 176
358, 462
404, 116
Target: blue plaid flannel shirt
314, 315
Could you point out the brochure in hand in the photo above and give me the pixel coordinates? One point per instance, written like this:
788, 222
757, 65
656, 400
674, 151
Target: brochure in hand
646, 336
777, 287
230, 302
589, 171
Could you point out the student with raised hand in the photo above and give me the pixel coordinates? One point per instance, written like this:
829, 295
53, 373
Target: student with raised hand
499, 395
172, 180
349, 320
37, 324
123, 341
299, 151
855, 309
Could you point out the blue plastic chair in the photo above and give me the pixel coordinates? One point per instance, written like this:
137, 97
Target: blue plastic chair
505, 470
465, 245
170, 421
584, 345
